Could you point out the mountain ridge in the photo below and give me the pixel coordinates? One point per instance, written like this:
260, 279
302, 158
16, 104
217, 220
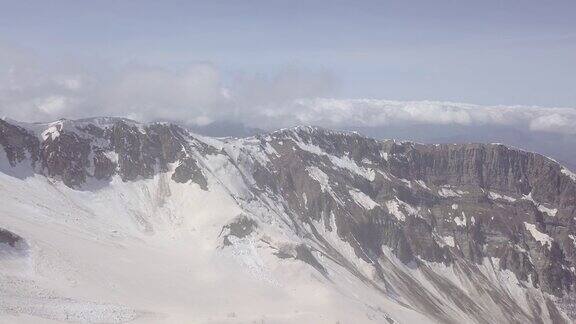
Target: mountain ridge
404, 209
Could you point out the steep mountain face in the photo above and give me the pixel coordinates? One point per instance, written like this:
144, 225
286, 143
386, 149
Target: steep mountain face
401, 232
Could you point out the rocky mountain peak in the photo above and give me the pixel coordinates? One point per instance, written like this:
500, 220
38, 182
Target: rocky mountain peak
464, 206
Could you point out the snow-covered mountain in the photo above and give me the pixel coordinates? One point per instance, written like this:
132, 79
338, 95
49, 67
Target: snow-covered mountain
110, 220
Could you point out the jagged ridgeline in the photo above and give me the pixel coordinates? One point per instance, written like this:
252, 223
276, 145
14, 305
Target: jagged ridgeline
455, 233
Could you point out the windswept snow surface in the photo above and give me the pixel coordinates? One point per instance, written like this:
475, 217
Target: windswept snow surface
548, 211
543, 238
447, 192
569, 173
341, 162
151, 251
363, 199
495, 196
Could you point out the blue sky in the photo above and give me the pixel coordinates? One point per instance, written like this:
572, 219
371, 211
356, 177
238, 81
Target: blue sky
484, 52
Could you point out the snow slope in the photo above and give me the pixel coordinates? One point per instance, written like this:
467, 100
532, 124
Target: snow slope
287, 228
151, 252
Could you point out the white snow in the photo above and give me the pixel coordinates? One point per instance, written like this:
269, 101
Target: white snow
549, 211
270, 150
314, 149
384, 175
363, 199
112, 156
569, 173
543, 238
460, 221
342, 162
384, 155
422, 184
409, 208
573, 238
151, 251
324, 181
321, 177
53, 131
399, 208
407, 182
448, 192
394, 209
495, 196
349, 164
449, 240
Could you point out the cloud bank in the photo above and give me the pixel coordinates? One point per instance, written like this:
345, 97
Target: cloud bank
201, 93
197, 94
379, 113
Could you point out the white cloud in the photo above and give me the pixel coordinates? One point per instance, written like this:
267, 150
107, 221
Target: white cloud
69, 82
53, 105
154, 93
350, 113
554, 122
36, 90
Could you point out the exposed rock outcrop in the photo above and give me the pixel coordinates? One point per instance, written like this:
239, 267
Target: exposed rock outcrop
463, 206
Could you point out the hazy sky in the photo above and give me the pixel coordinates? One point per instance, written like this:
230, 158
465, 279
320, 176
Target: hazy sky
483, 52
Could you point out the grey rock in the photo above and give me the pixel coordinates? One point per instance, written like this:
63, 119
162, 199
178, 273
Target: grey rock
240, 227
459, 205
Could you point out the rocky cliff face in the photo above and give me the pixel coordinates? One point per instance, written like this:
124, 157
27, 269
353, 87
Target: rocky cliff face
76, 151
401, 207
